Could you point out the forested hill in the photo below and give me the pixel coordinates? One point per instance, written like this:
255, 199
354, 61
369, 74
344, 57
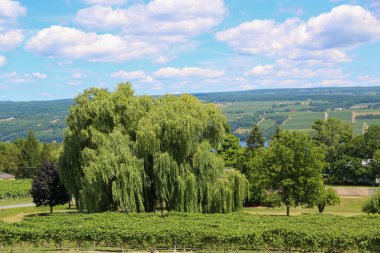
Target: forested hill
350, 95
47, 118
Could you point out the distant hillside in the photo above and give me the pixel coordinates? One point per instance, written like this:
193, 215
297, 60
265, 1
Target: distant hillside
47, 118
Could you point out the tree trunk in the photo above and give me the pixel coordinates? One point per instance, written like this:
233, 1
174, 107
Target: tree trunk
321, 208
287, 210
51, 209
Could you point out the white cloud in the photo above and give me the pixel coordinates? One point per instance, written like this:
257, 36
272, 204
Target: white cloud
336, 82
13, 77
74, 82
10, 9
326, 37
187, 72
260, 70
78, 76
58, 41
132, 75
162, 59
369, 80
168, 19
136, 31
105, 2
3, 61
39, 75
10, 39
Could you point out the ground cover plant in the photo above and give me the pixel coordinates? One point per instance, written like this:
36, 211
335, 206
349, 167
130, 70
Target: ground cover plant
13, 189
307, 233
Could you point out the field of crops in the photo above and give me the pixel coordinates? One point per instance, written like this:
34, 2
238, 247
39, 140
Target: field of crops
11, 189
302, 120
197, 231
249, 106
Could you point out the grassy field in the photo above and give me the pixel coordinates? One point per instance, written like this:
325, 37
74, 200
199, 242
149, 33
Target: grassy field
302, 120
17, 214
250, 107
14, 201
266, 124
349, 206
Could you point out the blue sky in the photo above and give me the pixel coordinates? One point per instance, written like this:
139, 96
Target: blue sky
56, 49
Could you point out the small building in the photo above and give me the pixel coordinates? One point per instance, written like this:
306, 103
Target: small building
6, 176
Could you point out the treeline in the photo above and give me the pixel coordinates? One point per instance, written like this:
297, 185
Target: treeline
23, 157
368, 116
336, 97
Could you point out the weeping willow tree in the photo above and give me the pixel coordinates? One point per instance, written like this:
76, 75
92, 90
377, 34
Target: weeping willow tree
142, 154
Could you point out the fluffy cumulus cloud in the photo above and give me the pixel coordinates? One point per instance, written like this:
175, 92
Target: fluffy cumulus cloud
169, 20
132, 75
260, 70
186, 72
105, 2
11, 39
326, 37
110, 34
3, 61
10, 10
58, 41
9, 36
14, 77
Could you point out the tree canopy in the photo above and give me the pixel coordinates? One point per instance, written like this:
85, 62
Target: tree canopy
138, 153
289, 170
47, 190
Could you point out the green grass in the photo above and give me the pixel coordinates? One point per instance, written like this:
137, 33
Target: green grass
302, 120
266, 124
341, 115
250, 106
349, 206
17, 214
14, 201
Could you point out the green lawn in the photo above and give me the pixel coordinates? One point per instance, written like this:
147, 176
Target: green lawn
17, 214
14, 201
349, 206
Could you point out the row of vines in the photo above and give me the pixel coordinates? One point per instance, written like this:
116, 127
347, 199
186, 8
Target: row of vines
309, 233
12, 189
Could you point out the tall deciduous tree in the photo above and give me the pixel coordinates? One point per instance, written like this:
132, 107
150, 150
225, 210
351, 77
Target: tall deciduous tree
30, 157
140, 154
47, 190
290, 168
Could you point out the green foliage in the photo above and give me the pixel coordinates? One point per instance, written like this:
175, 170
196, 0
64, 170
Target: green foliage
372, 205
46, 189
349, 160
30, 157
140, 154
9, 158
305, 233
291, 168
11, 189
332, 132
255, 138
231, 151
51, 152
328, 197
